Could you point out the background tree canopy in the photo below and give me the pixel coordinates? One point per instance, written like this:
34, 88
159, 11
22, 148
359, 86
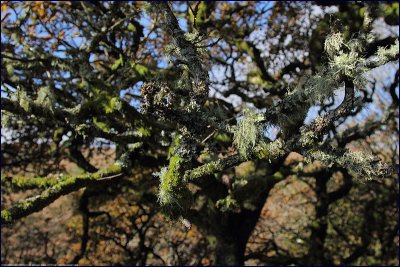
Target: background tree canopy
206, 133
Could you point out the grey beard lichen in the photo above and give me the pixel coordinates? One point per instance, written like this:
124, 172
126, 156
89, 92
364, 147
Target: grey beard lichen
6, 119
346, 58
359, 164
46, 98
247, 133
172, 51
385, 54
270, 150
320, 87
345, 61
23, 100
160, 98
74, 110
333, 44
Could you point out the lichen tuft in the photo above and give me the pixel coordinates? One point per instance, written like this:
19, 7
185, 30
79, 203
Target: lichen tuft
247, 133
385, 54
46, 98
333, 44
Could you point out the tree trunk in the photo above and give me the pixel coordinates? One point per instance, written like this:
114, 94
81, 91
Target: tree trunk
233, 233
231, 230
229, 252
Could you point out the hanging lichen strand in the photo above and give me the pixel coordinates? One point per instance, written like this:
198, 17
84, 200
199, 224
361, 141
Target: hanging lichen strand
346, 60
248, 132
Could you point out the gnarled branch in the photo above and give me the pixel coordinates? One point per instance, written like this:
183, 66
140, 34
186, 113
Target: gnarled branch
65, 186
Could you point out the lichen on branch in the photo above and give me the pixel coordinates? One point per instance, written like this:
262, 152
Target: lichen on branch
362, 165
186, 48
248, 132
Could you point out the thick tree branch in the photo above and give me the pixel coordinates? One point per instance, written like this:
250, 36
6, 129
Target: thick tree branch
65, 186
22, 183
358, 132
188, 51
311, 134
65, 117
392, 90
256, 55
35, 109
271, 151
343, 190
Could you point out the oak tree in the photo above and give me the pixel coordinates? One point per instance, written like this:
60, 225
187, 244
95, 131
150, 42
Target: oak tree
208, 111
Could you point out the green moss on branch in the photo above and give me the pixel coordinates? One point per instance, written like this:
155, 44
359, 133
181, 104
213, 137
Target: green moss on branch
69, 184
21, 182
171, 181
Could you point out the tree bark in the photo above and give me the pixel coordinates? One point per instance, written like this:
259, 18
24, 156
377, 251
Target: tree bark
229, 251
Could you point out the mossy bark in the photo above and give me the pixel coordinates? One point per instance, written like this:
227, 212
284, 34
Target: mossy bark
65, 186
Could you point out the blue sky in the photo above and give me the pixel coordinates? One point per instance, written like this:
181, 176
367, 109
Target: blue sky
216, 73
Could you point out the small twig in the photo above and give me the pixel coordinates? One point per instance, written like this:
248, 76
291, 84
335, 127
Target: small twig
111, 177
208, 137
209, 45
194, 12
